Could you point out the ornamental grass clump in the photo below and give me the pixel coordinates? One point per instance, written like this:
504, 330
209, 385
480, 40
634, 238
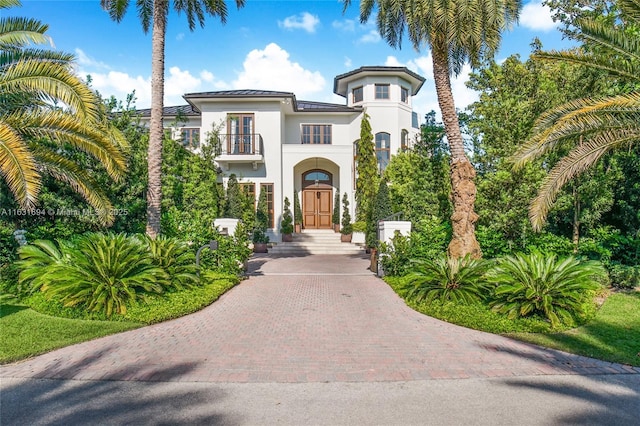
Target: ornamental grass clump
557, 289
448, 279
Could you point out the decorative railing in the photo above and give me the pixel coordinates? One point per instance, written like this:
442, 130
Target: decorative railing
240, 144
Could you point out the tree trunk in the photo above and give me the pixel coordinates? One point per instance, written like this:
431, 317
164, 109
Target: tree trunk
463, 189
576, 219
156, 131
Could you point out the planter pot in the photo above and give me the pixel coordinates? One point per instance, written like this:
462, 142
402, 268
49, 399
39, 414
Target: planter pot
298, 228
260, 247
336, 227
358, 238
287, 238
345, 238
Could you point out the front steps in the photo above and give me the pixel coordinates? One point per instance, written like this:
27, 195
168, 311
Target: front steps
315, 241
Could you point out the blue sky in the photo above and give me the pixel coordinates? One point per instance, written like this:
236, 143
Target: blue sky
296, 46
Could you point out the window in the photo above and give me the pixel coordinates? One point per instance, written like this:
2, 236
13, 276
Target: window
190, 137
404, 140
404, 95
317, 178
268, 188
240, 139
357, 95
318, 134
249, 190
383, 140
382, 91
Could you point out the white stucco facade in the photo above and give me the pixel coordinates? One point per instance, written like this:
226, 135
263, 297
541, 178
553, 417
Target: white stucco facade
270, 140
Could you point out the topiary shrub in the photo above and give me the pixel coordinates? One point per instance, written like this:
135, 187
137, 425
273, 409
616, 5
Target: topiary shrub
286, 225
537, 284
346, 227
448, 279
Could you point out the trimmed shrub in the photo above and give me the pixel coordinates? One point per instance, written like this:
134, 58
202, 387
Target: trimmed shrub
623, 276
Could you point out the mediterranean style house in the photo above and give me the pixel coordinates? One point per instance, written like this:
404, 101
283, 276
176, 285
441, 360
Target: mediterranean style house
276, 143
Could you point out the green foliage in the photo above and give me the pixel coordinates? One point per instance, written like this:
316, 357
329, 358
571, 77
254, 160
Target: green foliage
176, 258
234, 202
346, 227
477, 316
624, 276
100, 272
286, 225
366, 171
335, 217
556, 288
427, 241
459, 280
381, 209
359, 226
297, 210
262, 220
416, 185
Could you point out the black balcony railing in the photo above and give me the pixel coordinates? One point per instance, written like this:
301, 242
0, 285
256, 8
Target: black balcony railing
240, 144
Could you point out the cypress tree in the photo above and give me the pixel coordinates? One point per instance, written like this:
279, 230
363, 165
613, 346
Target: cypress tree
367, 171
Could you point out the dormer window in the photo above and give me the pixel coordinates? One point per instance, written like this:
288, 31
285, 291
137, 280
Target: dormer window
358, 95
382, 91
404, 95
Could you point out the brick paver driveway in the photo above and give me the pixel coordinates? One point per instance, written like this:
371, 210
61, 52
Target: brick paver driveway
308, 319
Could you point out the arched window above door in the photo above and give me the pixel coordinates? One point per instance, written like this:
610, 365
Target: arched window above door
317, 178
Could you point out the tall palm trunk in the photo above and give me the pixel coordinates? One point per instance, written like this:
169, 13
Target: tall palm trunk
462, 173
156, 133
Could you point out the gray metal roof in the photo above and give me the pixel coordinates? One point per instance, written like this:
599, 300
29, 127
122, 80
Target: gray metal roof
324, 107
340, 82
171, 111
239, 94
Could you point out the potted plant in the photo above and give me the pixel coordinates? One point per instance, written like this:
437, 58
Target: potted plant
286, 225
347, 228
260, 238
335, 217
297, 212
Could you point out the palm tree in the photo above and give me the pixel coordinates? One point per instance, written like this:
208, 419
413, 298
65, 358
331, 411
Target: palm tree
594, 125
154, 13
46, 114
457, 32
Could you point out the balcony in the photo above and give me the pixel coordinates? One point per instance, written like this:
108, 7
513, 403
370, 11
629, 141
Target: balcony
240, 148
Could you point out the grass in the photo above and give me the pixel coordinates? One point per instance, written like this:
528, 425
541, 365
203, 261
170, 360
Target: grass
25, 332
612, 335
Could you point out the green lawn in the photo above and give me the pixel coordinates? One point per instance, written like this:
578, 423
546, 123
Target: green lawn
25, 332
614, 335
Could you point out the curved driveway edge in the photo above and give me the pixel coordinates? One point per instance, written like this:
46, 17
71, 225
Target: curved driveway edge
309, 319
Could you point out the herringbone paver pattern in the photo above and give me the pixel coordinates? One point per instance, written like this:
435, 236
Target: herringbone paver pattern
287, 323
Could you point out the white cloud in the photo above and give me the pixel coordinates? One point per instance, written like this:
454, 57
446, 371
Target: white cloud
537, 17
304, 21
427, 100
346, 25
84, 60
206, 76
180, 36
347, 62
272, 69
372, 36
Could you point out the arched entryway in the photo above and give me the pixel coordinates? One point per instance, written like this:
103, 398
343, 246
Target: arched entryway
317, 199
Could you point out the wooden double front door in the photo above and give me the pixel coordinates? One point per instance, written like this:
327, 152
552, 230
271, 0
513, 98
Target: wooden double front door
316, 208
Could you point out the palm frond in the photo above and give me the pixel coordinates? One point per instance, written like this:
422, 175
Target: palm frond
63, 128
577, 161
17, 32
18, 166
52, 83
65, 170
619, 68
